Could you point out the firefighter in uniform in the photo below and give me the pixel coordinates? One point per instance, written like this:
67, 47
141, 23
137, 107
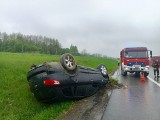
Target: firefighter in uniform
156, 68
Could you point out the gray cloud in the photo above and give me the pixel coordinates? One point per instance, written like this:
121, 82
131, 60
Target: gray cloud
99, 26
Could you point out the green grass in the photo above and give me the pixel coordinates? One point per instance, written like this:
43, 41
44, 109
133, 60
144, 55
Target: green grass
113, 81
17, 102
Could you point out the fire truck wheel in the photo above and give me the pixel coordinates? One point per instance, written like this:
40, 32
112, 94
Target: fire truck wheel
146, 74
123, 72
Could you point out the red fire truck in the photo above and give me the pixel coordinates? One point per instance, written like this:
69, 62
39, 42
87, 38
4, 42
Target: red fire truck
135, 60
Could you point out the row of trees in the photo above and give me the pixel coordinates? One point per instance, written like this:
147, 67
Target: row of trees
17, 42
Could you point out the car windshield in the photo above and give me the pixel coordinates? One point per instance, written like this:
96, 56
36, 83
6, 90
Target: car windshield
136, 54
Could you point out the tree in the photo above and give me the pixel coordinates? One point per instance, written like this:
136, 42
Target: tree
84, 52
17, 42
74, 50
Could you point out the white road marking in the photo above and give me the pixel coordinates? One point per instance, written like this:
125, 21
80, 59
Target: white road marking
153, 81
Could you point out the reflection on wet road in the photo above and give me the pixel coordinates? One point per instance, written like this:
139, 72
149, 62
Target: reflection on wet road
140, 100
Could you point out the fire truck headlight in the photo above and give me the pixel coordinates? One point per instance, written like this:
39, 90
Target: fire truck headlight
126, 68
146, 68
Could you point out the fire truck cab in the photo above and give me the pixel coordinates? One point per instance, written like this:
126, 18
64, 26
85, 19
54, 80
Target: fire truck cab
135, 60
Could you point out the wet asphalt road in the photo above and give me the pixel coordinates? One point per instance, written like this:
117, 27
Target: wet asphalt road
139, 100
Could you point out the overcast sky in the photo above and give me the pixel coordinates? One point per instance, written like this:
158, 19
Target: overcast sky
98, 26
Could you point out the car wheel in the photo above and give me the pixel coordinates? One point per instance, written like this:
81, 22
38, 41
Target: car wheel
68, 62
103, 70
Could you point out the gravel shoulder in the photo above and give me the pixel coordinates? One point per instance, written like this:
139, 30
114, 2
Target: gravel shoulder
90, 108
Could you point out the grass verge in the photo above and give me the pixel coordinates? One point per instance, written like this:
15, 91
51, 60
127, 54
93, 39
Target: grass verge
17, 102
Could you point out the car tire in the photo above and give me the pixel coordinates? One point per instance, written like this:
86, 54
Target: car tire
68, 62
103, 70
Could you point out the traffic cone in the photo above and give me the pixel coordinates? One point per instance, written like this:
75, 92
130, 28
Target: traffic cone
143, 77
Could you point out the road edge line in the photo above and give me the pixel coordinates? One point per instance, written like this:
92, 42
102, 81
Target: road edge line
153, 81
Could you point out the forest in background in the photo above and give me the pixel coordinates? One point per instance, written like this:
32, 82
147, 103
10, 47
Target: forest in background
19, 43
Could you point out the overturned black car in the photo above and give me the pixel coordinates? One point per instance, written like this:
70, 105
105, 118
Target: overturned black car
60, 80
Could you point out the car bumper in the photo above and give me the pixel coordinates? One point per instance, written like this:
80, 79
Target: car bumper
136, 69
